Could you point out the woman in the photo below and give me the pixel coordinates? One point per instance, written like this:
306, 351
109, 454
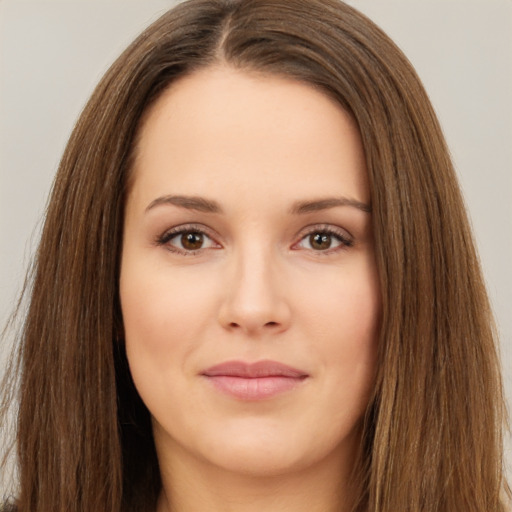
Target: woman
256, 286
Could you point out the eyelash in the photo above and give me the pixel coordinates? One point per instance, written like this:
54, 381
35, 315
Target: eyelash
167, 236
345, 241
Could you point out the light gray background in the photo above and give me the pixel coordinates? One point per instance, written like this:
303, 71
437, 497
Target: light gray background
52, 53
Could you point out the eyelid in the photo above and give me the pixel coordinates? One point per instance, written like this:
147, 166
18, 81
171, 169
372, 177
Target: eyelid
164, 238
346, 239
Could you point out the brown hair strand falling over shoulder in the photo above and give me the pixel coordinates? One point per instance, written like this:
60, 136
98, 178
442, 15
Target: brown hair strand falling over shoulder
432, 435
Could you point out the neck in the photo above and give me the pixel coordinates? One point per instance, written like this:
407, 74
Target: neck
189, 485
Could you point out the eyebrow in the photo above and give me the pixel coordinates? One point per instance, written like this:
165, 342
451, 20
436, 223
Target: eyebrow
204, 205
302, 207
199, 204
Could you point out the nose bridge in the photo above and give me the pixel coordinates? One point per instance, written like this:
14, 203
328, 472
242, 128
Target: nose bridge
254, 279
254, 299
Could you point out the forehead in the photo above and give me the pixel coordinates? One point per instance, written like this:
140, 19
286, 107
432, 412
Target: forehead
221, 130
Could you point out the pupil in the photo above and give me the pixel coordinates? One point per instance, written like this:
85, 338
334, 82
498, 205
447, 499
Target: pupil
320, 241
192, 240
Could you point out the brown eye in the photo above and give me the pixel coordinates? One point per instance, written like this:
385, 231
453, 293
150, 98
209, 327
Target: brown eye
192, 240
325, 240
187, 240
320, 241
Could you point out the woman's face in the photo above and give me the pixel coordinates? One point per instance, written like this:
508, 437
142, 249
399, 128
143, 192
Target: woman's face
248, 283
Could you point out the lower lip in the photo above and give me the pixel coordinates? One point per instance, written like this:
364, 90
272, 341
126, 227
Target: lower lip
258, 388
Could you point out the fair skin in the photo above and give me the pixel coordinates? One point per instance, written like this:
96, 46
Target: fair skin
274, 262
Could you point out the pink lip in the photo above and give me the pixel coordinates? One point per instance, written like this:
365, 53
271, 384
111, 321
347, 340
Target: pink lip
255, 381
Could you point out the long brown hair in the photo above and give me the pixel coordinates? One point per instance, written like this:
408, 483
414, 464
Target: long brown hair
432, 432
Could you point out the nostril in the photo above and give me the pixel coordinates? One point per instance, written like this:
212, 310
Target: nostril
234, 325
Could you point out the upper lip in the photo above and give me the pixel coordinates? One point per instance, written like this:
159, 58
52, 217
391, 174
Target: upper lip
254, 370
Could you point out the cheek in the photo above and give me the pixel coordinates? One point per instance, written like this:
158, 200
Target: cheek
344, 305
159, 302
163, 315
343, 316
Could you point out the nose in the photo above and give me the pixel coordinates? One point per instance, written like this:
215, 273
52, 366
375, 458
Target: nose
254, 299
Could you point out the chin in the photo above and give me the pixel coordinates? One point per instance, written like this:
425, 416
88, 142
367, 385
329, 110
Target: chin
269, 452
258, 462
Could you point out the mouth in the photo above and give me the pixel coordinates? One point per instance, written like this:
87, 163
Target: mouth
254, 381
